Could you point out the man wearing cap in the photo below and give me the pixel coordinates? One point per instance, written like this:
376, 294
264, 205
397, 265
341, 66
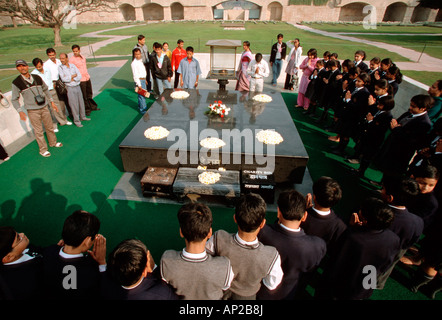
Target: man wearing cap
71, 76
35, 96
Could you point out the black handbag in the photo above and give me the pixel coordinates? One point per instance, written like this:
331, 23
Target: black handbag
60, 87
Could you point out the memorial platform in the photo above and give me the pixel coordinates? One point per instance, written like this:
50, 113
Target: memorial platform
187, 123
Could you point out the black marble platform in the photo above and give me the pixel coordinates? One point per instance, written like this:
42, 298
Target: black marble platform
188, 124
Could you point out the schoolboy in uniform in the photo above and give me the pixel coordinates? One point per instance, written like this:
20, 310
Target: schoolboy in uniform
71, 270
21, 266
367, 242
407, 135
321, 220
133, 275
252, 262
372, 134
300, 253
397, 192
194, 273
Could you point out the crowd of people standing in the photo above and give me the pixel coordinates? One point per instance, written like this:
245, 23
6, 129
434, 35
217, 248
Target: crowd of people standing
269, 261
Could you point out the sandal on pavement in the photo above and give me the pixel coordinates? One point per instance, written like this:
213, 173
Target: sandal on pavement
45, 154
58, 145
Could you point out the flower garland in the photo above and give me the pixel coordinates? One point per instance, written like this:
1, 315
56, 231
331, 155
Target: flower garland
218, 109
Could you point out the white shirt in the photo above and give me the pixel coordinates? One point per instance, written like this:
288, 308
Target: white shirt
25, 257
65, 255
263, 69
53, 68
321, 213
46, 76
138, 71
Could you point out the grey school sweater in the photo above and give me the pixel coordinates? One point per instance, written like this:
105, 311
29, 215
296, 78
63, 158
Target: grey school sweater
196, 279
250, 264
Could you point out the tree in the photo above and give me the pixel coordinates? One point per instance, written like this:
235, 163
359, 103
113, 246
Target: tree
52, 14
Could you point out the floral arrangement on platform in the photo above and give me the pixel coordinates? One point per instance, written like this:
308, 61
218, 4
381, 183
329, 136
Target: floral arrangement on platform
179, 94
156, 133
262, 98
218, 109
209, 177
269, 137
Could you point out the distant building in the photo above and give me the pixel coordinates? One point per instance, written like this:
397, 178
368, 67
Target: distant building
265, 10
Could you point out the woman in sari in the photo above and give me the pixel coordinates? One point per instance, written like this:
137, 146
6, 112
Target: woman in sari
294, 59
243, 78
307, 66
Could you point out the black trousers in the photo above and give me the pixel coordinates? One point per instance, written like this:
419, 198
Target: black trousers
176, 80
148, 82
86, 90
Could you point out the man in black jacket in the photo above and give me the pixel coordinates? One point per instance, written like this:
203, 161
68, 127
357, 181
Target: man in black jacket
276, 58
161, 68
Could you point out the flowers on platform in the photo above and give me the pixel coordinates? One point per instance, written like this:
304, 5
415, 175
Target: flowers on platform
156, 133
218, 109
262, 98
212, 143
209, 177
269, 137
179, 94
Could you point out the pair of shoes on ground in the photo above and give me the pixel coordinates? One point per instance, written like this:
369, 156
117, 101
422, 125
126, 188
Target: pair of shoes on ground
85, 119
47, 153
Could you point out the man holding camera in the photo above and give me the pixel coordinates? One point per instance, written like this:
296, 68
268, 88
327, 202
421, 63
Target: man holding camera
35, 96
71, 76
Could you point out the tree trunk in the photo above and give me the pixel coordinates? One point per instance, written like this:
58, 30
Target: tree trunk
14, 22
57, 36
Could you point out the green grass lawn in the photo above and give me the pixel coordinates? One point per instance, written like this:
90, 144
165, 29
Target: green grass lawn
424, 77
8, 75
431, 45
28, 41
261, 36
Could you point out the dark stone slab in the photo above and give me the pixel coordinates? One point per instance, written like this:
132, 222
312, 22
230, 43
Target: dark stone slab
187, 182
188, 124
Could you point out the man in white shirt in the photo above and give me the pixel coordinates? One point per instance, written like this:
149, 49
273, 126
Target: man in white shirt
258, 69
46, 75
52, 65
139, 75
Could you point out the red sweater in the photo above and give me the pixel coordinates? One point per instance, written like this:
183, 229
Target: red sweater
177, 56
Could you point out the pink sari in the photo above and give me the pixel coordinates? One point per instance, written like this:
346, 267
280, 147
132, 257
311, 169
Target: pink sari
243, 78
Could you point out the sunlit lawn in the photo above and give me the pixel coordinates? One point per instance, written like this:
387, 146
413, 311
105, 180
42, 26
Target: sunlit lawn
261, 36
